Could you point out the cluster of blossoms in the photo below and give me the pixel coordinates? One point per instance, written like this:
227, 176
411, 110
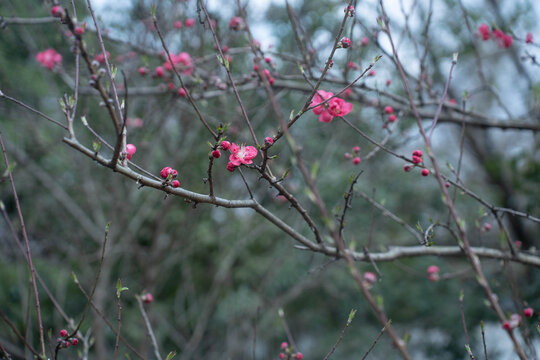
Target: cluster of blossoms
65, 342
502, 39
49, 58
433, 273
391, 116
515, 319
356, 159
266, 72
417, 160
181, 61
100, 58
189, 22
328, 110
288, 353
168, 174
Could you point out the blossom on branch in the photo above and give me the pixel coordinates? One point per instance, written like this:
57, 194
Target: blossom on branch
334, 107
242, 154
49, 58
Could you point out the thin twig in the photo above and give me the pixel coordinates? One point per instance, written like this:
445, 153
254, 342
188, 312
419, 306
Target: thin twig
188, 93
104, 318
349, 321
377, 339
228, 70
464, 323
149, 328
100, 267
27, 245
484, 340
18, 334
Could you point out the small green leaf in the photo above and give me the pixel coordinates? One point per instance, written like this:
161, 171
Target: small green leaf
75, 279
96, 145
83, 120
171, 355
301, 68
114, 70
120, 288
220, 59
351, 316
315, 169
153, 10
285, 173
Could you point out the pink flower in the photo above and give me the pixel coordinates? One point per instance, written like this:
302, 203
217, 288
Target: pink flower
175, 183
225, 145
237, 23
49, 58
365, 41
507, 41
181, 61
345, 42
242, 154
392, 118
177, 24
159, 71
388, 110
322, 110
484, 31
101, 58
528, 312
230, 166
134, 122
130, 149
190, 22
369, 277
529, 38
433, 271
57, 11
63, 333
147, 298
168, 172
284, 345
338, 107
